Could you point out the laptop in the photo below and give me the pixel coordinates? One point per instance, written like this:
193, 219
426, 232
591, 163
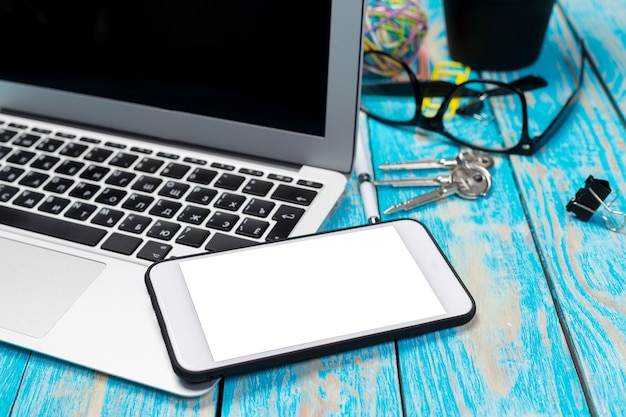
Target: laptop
131, 132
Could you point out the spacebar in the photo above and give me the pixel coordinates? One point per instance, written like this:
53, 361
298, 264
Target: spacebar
61, 229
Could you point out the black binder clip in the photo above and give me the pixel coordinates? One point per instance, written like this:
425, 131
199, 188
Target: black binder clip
592, 198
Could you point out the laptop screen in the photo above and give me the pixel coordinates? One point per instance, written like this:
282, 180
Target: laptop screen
257, 78
257, 62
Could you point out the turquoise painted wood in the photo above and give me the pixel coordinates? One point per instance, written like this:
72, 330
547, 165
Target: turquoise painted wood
12, 364
605, 33
549, 334
514, 350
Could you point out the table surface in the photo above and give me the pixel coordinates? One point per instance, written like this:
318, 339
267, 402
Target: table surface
549, 334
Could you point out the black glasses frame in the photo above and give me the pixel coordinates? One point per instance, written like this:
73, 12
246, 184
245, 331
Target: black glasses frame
527, 145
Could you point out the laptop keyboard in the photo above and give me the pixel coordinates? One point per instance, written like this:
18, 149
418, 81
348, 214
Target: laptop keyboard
121, 197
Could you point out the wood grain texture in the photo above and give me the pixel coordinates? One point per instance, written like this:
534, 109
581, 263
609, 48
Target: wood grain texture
512, 359
13, 362
55, 388
601, 23
584, 262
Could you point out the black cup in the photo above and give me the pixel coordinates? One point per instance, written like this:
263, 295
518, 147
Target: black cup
496, 35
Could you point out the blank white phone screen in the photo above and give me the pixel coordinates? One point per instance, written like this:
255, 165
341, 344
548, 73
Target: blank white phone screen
308, 290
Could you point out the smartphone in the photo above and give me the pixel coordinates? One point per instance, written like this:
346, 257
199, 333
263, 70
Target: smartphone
241, 310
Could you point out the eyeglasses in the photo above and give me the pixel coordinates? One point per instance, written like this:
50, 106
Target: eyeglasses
483, 114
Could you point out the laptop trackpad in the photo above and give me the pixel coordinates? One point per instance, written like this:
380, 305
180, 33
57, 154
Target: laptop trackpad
37, 285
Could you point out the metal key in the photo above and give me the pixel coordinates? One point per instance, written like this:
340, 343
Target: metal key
468, 181
436, 181
466, 155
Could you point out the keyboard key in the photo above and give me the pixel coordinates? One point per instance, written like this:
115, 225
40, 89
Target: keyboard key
202, 176
90, 140
65, 135
123, 244
54, 205
173, 189
33, 179
73, 150
135, 224
168, 155
141, 150
107, 217
20, 157
26, 140
115, 145
10, 174
7, 192
94, 173
252, 227
98, 154
28, 199
45, 162
49, 226
223, 166
249, 171
195, 161
191, 236
58, 185
230, 202
259, 208
163, 230
7, 134
123, 160
193, 214
294, 195
84, 190
201, 195
146, 184
137, 202
154, 251
111, 196
220, 242
80, 211
286, 218
120, 178
165, 208
229, 181
174, 170
4, 151
311, 184
149, 165
280, 177
69, 167
223, 221
50, 145
258, 187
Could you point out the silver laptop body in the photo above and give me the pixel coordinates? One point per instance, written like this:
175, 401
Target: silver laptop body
73, 248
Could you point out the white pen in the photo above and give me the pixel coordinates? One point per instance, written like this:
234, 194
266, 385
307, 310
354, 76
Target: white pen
365, 176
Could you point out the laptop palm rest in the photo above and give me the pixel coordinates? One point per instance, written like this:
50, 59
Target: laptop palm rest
29, 304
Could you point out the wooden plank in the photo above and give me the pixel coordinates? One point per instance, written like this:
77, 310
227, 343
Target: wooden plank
512, 359
584, 262
12, 364
359, 383
55, 388
602, 27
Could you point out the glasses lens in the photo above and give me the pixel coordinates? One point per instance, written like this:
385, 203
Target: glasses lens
486, 115
387, 89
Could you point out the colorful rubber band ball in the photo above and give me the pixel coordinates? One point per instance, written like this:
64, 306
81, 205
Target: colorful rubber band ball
396, 27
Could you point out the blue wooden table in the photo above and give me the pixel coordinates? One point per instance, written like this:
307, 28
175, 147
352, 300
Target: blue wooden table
549, 336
